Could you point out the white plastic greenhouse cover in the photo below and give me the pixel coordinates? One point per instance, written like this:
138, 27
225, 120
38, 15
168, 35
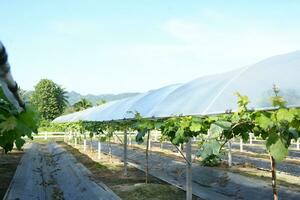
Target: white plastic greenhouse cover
209, 94
126, 108
216, 94
65, 118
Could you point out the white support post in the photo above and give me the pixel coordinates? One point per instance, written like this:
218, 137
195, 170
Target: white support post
298, 144
194, 139
189, 191
46, 136
241, 145
155, 136
75, 143
84, 144
125, 153
149, 142
130, 139
162, 145
69, 135
229, 154
91, 144
250, 136
99, 150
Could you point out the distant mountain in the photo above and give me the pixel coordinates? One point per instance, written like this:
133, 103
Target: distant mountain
75, 97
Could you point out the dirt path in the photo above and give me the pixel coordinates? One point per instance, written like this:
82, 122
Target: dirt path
49, 172
208, 183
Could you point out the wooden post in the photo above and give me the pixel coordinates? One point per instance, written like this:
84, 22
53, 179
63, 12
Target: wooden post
273, 169
162, 145
189, 191
229, 154
241, 145
125, 153
99, 150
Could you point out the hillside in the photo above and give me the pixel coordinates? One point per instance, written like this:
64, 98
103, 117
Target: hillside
75, 97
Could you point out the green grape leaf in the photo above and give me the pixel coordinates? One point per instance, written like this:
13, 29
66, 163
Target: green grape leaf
210, 147
225, 125
158, 125
179, 137
140, 136
103, 138
19, 143
264, 122
2, 117
278, 150
215, 130
294, 133
8, 125
195, 127
285, 115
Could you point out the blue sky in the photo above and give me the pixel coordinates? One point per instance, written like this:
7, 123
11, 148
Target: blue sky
97, 46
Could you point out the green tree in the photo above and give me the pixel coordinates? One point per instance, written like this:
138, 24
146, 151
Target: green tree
49, 99
82, 104
101, 102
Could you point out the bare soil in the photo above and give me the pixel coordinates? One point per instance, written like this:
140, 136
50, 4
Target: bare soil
8, 166
131, 187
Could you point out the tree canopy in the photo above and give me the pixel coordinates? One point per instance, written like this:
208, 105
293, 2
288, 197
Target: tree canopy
49, 98
82, 104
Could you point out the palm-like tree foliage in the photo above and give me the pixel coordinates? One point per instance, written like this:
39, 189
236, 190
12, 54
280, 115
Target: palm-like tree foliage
82, 104
62, 97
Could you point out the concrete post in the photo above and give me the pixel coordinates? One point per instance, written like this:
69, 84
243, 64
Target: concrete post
75, 143
229, 154
125, 153
189, 191
99, 150
149, 143
241, 145
84, 144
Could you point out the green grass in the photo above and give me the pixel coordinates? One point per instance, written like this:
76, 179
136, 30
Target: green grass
150, 191
131, 187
